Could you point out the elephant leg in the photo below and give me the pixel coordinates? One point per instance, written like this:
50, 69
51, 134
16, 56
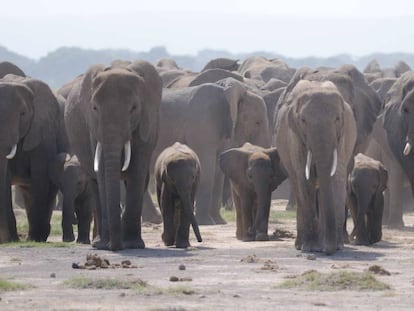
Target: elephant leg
395, 208
183, 227
168, 214
42, 193
8, 230
246, 207
239, 220
149, 210
205, 189
137, 181
217, 194
85, 205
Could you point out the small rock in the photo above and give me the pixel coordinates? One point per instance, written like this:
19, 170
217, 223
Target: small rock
250, 259
75, 265
174, 279
311, 257
378, 270
186, 279
53, 275
202, 296
122, 295
236, 296
126, 262
126, 266
181, 267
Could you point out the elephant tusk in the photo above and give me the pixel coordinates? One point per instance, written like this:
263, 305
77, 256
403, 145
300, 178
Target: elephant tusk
308, 164
334, 162
407, 149
127, 149
12, 153
98, 153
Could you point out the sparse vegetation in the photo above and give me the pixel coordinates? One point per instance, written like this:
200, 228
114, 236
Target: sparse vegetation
228, 215
277, 216
136, 285
342, 280
6, 285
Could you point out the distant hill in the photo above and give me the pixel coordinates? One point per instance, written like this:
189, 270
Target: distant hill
65, 63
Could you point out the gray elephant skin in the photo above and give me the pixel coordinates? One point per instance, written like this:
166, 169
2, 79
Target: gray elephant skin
254, 172
29, 114
208, 118
112, 119
315, 136
367, 183
399, 127
78, 197
177, 175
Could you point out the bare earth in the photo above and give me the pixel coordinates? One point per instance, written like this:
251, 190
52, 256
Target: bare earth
220, 273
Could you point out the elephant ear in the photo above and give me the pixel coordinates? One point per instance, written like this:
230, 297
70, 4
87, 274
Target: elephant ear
279, 173
233, 91
152, 90
383, 179
45, 114
233, 163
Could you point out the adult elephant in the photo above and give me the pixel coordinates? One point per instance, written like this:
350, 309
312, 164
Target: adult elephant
399, 124
209, 118
31, 139
315, 136
112, 118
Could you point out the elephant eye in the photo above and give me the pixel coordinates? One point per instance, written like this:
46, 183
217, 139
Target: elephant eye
22, 114
303, 120
94, 107
405, 110
337, 118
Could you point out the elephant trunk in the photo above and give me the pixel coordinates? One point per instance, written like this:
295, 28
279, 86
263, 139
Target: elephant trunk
68, 215
112, 168
188, 210
325, 162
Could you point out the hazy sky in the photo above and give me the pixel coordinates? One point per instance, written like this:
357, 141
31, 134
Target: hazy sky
289, 27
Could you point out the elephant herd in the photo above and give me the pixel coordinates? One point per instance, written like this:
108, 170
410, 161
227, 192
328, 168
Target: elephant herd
343, 138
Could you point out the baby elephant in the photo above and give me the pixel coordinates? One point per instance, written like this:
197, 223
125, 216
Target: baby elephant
177, 174
366, 184
254, 172
78, 198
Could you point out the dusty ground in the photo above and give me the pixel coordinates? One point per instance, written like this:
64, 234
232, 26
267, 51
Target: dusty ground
221, 273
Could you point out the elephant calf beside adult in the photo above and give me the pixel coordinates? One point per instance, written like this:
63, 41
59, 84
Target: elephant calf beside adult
254, 172
209, 118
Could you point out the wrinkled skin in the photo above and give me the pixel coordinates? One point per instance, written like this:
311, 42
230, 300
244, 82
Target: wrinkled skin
209, 118
78, 197
177, 174
399, 127
367, 182
113, 106
315, 120
254, 172
29, 119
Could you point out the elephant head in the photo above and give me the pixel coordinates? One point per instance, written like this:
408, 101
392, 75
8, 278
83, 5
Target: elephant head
257, 170
248, 113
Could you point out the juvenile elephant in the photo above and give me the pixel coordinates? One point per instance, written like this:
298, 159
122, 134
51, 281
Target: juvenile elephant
31, 137
315, 136
112, 120
177, 174
254, 172
367, 182
78, 197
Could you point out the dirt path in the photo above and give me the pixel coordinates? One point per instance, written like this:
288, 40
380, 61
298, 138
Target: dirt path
220, 273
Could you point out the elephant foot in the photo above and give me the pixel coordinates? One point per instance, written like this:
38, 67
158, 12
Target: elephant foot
311, 246
262, 237
182, 244
99, 243
360, 241
68, 238
248, 237
134, 244
83, 241
205, 220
